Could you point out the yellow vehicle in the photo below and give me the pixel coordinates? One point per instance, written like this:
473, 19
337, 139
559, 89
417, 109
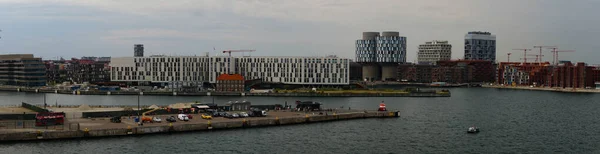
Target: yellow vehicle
204, 116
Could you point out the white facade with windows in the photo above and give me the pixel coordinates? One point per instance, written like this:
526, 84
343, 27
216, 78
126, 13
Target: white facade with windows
287, 70
434, 51
160, 69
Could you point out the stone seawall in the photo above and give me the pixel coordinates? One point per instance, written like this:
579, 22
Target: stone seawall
141, 130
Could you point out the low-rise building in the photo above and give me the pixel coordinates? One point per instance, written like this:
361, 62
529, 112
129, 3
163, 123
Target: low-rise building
230, 83
87, 69
22, 70
451, 71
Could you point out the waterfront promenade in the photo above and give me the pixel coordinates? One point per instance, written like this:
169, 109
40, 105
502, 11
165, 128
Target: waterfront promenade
337, 93
568, 90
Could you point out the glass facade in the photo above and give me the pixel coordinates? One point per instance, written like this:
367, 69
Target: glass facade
382, 49
391, 49
365, 50
480, 46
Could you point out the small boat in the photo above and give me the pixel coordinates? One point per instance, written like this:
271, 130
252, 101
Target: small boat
473, 130
382, 107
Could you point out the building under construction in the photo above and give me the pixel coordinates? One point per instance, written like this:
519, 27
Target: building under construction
563, 75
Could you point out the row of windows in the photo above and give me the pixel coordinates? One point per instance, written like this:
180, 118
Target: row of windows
394, 38
484, 42
390, 48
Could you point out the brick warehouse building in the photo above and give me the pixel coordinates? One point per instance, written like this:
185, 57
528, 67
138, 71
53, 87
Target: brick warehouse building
230, 83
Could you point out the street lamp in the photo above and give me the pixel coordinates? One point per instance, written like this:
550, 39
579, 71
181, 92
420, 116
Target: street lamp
138, 104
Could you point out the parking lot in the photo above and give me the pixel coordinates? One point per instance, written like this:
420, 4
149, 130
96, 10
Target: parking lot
104, 123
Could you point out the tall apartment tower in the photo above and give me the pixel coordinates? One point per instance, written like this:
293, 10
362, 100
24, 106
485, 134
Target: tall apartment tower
379, 54
434, 51
389, 47
138, 50
480, 46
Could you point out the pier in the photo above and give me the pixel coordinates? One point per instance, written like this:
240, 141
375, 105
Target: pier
103, 127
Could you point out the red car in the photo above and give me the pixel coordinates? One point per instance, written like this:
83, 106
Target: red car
190, 116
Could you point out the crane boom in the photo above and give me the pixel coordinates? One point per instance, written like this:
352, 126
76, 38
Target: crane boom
543, 46
557, 51
524, 54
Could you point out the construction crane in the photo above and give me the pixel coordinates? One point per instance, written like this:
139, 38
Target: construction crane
524, 54
230, 51
542, 46
537, 57
556, 54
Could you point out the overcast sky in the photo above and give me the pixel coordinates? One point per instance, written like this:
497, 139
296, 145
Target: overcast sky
75, 28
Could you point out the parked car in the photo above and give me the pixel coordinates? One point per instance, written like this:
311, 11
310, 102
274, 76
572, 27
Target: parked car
235, 115
223, 114
183, 117
244, 114
258, 113
171, 119
227, 115
156, 119
146, 119
115, 119
190, 116
215, 114
206, 116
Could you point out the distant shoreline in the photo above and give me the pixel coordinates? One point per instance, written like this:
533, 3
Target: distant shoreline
437, 93
567, 90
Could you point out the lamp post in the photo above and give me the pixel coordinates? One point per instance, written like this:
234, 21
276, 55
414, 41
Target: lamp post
138, 104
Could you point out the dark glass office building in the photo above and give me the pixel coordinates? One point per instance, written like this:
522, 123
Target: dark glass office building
22, 70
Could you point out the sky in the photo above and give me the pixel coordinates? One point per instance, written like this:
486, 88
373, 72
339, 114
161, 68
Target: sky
75, 28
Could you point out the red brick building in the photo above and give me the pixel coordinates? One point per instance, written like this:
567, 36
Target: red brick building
475, 70
230, 83
564, 75
451, 71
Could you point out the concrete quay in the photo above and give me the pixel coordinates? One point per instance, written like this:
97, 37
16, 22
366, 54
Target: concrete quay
566, 90
168, 93
102, 127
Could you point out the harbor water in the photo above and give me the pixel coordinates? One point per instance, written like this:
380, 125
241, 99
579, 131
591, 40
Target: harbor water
511, 121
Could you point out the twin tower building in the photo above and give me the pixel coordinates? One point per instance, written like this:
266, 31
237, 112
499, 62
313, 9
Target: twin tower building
381, 53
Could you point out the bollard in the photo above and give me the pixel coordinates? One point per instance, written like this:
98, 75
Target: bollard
39, 135
129, 130
86, 132
171, 128
209, 125
306, 118
244, 123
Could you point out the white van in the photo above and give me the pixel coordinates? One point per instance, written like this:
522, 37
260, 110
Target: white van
183, 117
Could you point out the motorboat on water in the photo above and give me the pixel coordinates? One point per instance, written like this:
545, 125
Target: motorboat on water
473, 130
382, 107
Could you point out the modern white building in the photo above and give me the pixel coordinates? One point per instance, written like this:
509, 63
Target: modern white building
288, 70
433, 51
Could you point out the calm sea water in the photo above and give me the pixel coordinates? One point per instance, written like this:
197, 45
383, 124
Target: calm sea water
511, 121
